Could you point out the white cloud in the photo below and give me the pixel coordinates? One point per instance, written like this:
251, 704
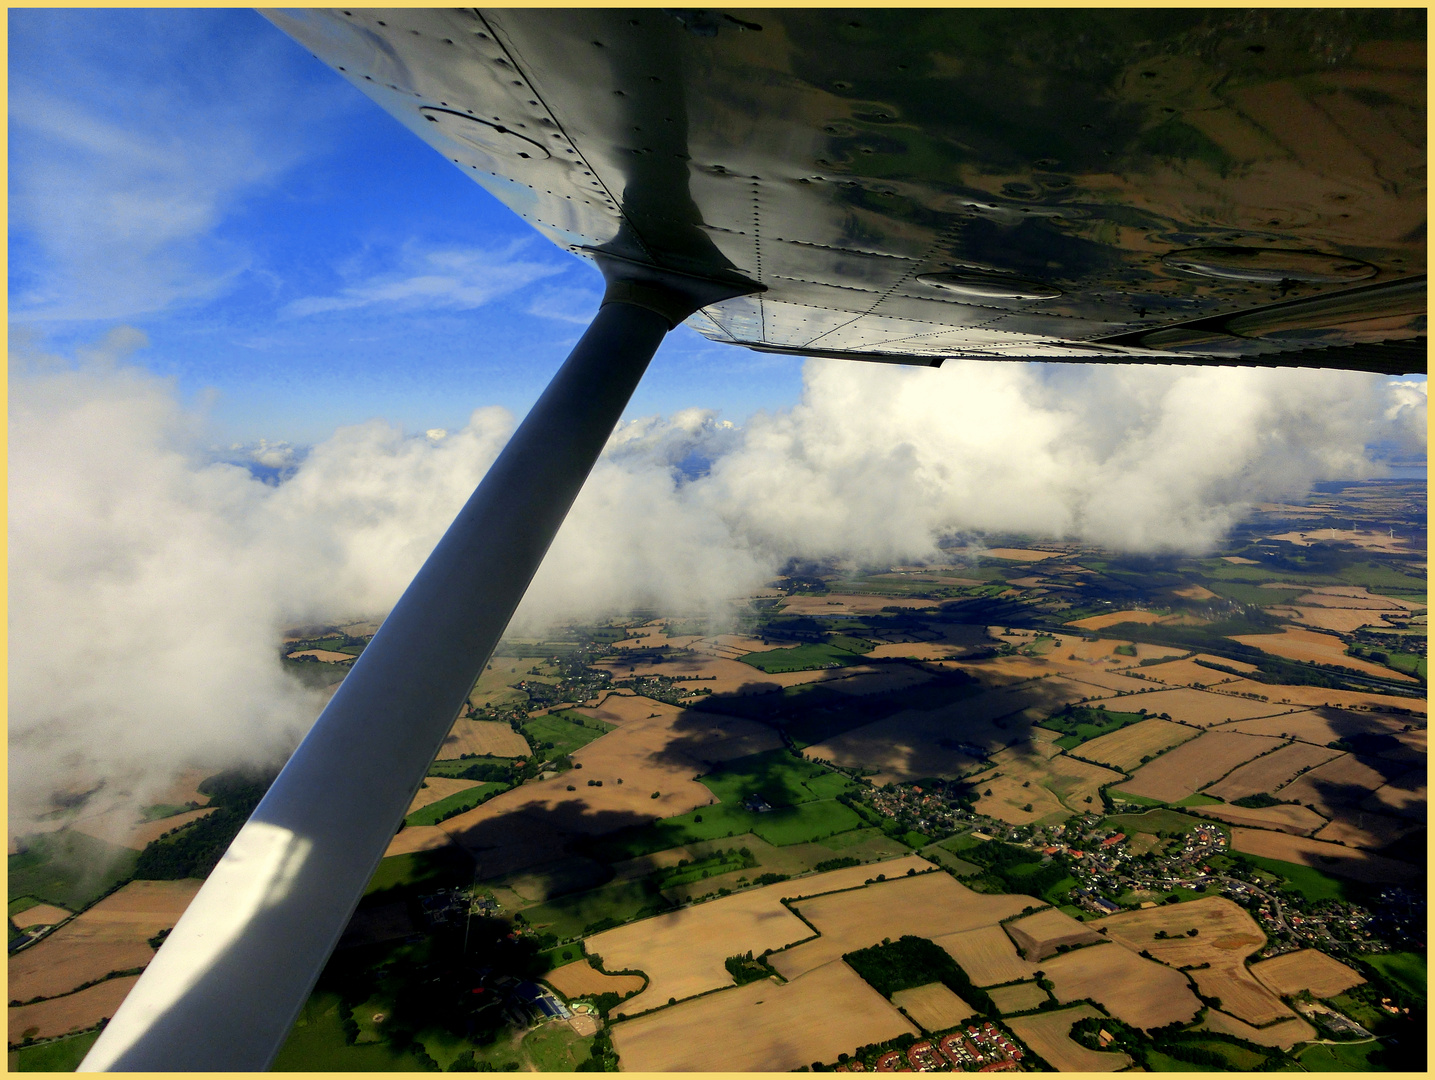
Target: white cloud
148, 583
452, 279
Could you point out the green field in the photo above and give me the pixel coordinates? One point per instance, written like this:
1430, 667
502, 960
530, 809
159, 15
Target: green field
555, 1048
1158, 822
827, 654
62, 1055
1338, 1057
69, 869
1244, 593
1410, 663
427, 870
562, 733
1198, 800
617, 902
317, 1044
1159, 1062
1403, 970
807, 822
456, 803
779, 777
1308, 882
474, 768
1077, 724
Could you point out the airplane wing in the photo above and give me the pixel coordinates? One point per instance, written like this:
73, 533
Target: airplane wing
906, 186
1170, 186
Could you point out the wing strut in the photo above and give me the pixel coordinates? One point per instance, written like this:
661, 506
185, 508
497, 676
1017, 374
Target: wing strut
225, 988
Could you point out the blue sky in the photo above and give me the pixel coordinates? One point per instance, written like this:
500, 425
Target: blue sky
295, 257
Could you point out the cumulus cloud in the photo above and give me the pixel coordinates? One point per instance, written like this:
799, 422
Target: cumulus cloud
150, 580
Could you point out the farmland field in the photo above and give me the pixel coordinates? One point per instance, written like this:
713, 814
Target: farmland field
1143, 993
933, 1007
762, 1026
561, 731
1116, 618
1306, 969
1048, 1035
1182, 771
987, 955
1405, 970
482, 737
571, 915
825, 654
1268, 773
452, 805
1039, 935
580, 977
73, 1012
1126, 748
111, 936
62, 1055
928, 905
1018, 998
69, 869
1328, 858
1314, 647
1345, 781
1225, 935
682, 952
1285, 1033
1204, 708
1292, 819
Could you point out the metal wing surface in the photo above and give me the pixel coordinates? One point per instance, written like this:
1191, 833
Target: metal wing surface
1171, 186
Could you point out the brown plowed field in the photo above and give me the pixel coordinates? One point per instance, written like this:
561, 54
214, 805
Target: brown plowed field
1315, 647
73, 1012
1038, 935
1284, 1034
436, 789
682, 952
1018, 998
1201, 707
1330, 858
1267, 773
482, 737
1308, 969
1141, 992
933, 1007
111, 936
1124, 749
1226, 935
1182, 771
987, 955
928, 905
1346, 780
1297, 820
580, 977
1048, 1034
762, 1027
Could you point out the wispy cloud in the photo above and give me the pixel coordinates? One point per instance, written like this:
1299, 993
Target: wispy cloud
566, 305
444, 279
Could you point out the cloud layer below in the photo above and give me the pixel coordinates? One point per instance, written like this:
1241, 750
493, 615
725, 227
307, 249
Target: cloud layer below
149, 583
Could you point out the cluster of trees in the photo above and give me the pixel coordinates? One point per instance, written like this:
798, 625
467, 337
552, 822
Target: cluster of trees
913, 961
192, 850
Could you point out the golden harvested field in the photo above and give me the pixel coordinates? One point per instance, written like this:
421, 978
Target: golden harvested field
40, 915
1141, 992
1297, 820
73, 1012
482, 737
933, 1007
1038, 935
1311, 696
928, 905
1058, 786
762, 1027
1308, 969
119, 824
1284, 1034
1267, 773
413, 838
1018, 998
720, 675
1341, 620
1321, 725
1182, 771
1405, 795
1315, 647
1124, 749
682, 952
917, 650
1204, 708
580, 977
1226, 935
1020, 554
323, 655
1105, 682
1048, 1034
111, 936
1346, 780
437, 788
1330, 858
842, 604
987, 955
1113, 618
